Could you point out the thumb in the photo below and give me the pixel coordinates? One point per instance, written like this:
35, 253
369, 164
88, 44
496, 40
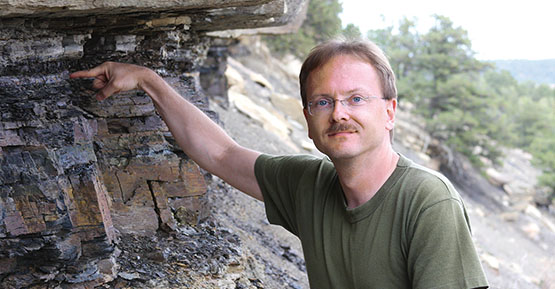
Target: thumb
108, 90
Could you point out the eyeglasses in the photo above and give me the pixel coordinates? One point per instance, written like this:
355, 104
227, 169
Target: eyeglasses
325, 105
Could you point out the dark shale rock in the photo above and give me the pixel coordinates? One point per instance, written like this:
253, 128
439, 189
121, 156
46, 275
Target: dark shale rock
74, 171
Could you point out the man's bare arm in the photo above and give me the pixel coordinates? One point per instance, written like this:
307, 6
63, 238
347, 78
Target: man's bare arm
199, 137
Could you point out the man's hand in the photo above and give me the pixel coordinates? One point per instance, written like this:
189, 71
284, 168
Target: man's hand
111, 78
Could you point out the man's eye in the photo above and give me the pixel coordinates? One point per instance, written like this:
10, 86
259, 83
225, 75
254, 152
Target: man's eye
322, 102
356, 100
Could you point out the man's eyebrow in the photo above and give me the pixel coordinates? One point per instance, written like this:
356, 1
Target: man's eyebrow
319, 95
357, 90
348, 92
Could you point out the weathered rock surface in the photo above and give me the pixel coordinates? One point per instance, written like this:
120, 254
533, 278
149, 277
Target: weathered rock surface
75, 172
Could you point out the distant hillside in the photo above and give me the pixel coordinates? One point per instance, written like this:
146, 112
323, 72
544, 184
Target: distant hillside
539, 71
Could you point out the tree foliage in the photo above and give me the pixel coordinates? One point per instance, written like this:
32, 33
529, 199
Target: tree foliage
322, 22
438, 71
352, 31
466, 102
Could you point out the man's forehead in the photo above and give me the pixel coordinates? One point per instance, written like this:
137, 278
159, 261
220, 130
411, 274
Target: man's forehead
346, 67
341, 65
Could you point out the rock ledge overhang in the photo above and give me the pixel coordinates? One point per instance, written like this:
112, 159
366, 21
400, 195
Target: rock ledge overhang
136, 15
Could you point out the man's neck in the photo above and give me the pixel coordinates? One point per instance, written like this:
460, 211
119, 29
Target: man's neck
363, 176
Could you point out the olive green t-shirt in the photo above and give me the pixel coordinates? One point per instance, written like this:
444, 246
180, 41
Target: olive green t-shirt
414, 232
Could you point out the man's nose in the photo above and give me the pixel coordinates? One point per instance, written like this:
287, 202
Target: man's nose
340, 112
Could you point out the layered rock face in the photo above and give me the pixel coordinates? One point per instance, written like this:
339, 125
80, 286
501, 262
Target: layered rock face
74, 171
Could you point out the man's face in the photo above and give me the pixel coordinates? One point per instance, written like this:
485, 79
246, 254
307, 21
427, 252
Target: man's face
347, 132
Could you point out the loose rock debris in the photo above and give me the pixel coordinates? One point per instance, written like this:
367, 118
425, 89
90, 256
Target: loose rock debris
192, 256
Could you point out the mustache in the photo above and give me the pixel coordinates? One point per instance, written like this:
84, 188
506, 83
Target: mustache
339, 127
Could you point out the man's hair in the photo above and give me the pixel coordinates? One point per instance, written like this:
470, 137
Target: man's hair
365, 50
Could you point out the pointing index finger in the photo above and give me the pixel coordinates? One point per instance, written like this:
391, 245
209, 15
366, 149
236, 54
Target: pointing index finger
88, 73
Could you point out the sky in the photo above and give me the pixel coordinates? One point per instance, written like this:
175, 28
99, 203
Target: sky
497, 29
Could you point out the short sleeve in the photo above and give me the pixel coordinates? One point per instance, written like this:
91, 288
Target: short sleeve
279, 178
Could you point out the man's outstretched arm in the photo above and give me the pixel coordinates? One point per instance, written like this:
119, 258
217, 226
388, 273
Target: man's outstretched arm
199, 137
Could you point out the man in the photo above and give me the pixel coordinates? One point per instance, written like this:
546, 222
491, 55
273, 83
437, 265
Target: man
367, 217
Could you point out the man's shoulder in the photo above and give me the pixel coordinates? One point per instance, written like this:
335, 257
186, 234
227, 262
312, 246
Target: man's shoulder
430, 183
304, 160
291, 157
294, 166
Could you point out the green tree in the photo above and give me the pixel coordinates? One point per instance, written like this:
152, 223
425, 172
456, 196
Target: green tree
401, 47
530, 109
543, 150
322, 22
445, 52
534, 118
467, 103
351, 31
438, 71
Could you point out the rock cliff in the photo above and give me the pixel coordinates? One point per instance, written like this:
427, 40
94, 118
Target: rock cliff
75, 174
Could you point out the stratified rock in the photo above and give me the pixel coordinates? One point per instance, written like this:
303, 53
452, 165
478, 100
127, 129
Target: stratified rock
75, 171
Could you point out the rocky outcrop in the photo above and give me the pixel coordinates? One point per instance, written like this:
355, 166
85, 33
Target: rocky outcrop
74, 172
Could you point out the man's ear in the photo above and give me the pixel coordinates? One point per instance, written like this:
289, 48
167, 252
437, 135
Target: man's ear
306, 117
391, 108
